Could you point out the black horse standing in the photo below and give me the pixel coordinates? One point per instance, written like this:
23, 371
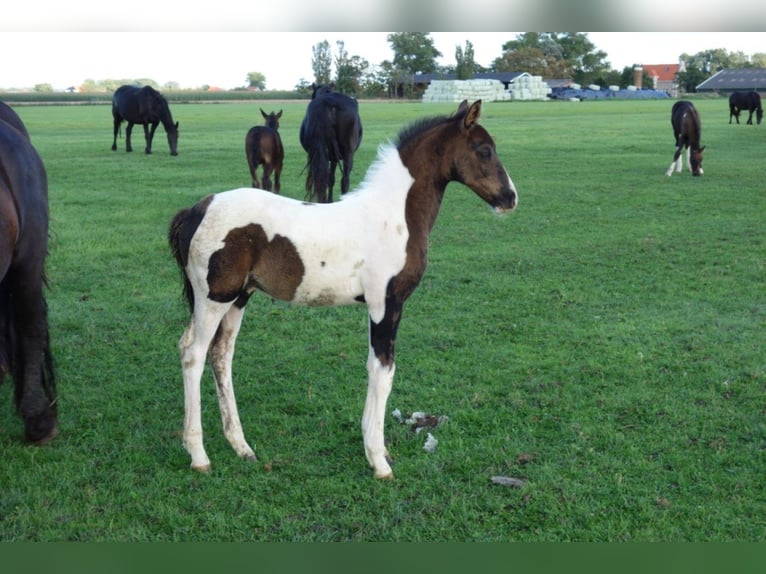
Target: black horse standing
145, 106
330, 133
25, 351
687, 129
750, 101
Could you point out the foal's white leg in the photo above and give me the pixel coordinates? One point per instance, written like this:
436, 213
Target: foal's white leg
193, 348
688, 160
380, 381
221, 354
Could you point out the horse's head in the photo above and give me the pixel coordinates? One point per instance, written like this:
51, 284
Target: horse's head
320, 89
271, 119
477, 164
172, 131
695, 160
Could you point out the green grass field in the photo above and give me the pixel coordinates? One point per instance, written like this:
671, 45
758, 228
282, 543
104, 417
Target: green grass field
605, 343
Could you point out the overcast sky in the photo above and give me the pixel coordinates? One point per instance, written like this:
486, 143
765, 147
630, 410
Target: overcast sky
224, 58
219, 42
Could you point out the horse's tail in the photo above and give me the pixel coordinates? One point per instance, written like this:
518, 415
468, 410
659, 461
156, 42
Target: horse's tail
318, 170
182, 229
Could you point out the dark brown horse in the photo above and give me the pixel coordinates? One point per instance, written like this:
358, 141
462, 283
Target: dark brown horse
369, 248
687, 129
330, 133
263, 146
750, 101
25, 351
145, 106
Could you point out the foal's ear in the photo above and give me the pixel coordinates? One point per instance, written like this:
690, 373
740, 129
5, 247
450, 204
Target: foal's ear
702, 149
264, 114
279, 115
472, 116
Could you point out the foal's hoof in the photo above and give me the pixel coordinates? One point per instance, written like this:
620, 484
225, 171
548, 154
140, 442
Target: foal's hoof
204, 469
388, 476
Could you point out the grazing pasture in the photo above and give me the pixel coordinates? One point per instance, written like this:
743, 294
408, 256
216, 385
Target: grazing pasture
604, 344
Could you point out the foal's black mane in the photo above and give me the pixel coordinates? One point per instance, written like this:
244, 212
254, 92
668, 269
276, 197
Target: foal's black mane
419, 127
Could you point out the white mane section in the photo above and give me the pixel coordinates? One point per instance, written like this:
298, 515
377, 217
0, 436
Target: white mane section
349, 248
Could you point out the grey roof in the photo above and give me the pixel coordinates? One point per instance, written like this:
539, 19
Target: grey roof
732, 79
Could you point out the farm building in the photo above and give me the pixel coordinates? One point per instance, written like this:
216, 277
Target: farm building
664, 77
735, 79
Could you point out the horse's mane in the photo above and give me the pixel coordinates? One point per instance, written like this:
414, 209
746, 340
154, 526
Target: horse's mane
419, 127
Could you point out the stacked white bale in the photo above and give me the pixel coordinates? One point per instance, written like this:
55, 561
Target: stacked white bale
459, 90
529, 88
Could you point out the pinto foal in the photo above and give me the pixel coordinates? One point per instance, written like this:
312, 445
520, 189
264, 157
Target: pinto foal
369, 248
687, 129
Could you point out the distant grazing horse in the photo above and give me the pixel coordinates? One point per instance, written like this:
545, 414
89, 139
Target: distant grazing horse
25, 351
370, 247
263, 146
330, 133
750, 101
145, 106
687, 129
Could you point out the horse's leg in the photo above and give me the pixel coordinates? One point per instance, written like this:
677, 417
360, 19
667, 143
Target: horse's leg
380, 372
117, 122
267, 169
37, 410
149, 134
688, 160
331, 179
750, 118
193, 348
277, 176
676, 163
221, 354
348, 165
128, 132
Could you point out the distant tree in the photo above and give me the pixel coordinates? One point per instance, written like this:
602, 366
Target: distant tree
349, 71
465, 67
414, 53
758, 60
554, 55
172, 86
43, 88
256, 80
321, 62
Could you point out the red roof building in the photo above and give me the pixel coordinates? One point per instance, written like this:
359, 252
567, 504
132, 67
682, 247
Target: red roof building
664, 76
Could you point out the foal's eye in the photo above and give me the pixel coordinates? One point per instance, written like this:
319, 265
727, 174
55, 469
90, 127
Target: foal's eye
485, 152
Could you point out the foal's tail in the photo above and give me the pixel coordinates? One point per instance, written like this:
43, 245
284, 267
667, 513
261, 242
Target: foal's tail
182, 228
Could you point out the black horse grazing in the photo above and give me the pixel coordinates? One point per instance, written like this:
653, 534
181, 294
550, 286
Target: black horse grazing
687, 129
145, 106
330, 133
25, 351
750, 101
263, 146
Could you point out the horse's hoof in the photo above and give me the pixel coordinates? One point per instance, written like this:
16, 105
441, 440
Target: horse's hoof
204, 469
47, 439
388, 476
251, 458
